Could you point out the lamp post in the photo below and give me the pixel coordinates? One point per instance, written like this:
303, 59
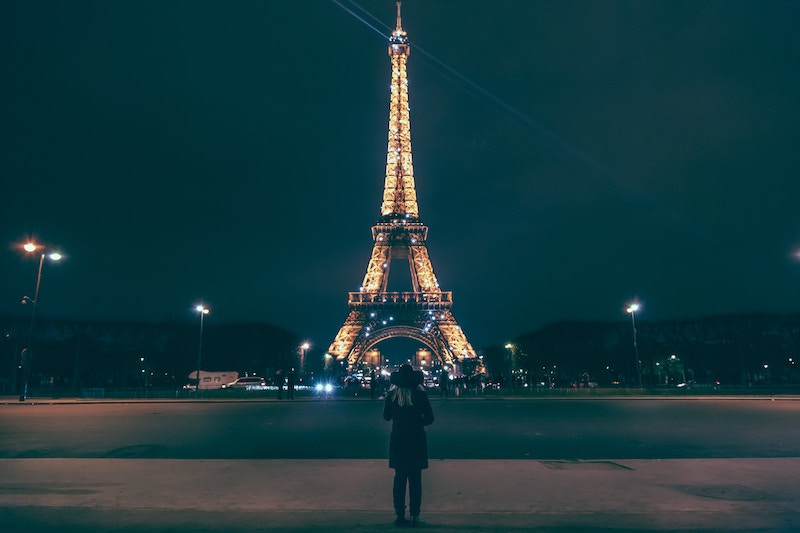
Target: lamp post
632, 310
511, 363
303, 348
26, 355
202, 310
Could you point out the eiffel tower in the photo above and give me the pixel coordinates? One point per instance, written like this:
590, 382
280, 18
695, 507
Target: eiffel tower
424, 314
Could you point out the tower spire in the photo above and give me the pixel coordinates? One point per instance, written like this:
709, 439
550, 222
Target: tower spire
399, 27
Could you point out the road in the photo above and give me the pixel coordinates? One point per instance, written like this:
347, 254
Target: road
541, 429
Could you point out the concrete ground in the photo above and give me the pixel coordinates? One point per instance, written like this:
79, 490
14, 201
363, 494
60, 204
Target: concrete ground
158, 495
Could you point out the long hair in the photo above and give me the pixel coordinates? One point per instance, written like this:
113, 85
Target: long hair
402, 396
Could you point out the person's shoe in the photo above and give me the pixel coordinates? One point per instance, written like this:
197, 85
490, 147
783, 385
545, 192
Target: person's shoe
401, 521
414, 520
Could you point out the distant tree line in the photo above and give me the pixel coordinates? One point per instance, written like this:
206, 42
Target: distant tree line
72, 354
741, 350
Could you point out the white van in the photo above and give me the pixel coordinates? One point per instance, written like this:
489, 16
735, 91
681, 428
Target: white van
213, 380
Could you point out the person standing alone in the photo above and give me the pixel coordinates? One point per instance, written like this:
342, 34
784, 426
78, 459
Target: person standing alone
408, 408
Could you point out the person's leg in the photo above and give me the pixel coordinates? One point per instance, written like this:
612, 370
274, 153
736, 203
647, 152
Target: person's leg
399, 493
414, 492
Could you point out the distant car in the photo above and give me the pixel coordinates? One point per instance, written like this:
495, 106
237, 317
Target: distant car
248, 383
324, 388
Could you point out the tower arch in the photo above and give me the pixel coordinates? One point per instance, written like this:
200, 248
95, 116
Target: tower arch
403, 332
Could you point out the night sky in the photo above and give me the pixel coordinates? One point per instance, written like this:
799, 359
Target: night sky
569, 156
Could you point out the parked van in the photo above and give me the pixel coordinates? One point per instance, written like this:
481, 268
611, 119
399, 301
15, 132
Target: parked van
213, 380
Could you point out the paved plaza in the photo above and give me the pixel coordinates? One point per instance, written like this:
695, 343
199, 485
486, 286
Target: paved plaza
47, 485
354, 495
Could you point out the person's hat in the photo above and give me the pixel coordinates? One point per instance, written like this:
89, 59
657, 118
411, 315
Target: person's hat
406, 377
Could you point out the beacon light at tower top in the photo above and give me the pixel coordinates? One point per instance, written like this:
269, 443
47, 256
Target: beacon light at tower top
398, 35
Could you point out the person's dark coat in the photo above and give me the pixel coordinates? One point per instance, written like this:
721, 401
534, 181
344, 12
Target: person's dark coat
408, 447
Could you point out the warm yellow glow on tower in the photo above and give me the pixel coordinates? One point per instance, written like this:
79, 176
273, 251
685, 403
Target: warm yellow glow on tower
424, 313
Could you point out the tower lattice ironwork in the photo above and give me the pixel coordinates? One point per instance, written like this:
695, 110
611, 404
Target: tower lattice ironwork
423, 314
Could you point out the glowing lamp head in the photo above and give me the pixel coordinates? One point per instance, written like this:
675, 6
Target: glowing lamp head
29, 247
305, 346
55, 256
633, 308
202, 309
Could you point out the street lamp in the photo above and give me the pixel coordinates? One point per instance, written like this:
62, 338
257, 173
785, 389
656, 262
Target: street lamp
202, 310
26, 355
511, 360
303, 348
632, 310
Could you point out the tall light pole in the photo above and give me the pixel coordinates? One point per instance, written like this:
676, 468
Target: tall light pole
202, 310
26, 355
632, 310
511, 363
303, 348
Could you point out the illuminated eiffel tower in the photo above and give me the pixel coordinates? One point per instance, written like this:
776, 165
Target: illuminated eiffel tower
424, 314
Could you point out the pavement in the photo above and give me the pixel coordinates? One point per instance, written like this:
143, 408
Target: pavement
332, 495
161, 495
